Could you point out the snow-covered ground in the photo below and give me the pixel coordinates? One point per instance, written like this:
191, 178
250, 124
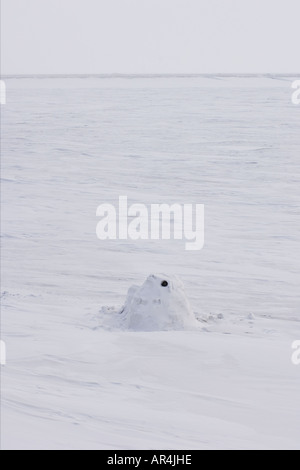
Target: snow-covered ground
69, 145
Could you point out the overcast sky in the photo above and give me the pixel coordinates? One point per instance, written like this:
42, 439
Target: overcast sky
150, 36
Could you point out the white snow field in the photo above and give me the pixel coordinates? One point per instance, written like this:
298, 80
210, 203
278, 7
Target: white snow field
74, 377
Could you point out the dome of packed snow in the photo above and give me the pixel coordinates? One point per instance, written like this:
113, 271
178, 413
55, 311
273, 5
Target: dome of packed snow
159, 304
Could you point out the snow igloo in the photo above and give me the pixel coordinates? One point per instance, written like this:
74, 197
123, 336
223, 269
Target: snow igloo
159, 304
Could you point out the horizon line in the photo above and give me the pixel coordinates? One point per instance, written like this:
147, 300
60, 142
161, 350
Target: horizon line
148, 75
